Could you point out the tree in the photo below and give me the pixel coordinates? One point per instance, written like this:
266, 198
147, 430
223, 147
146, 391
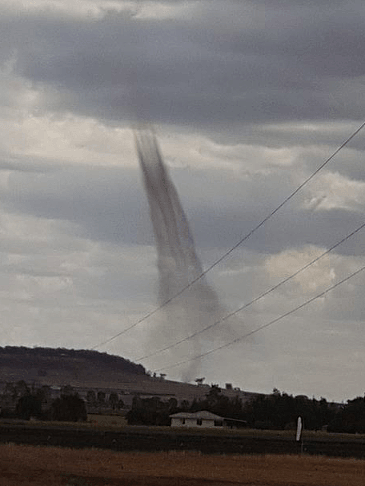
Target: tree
67, 390
281, 411
101, 398
21, 388
29, 406
113, 401
91, 398
149, 411
68, 408
351, 419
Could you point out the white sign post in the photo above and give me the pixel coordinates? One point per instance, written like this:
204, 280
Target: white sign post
299, 433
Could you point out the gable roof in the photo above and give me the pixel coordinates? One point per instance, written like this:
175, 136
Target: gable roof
202, 414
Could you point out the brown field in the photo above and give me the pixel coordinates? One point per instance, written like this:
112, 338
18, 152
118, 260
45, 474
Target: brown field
46, 466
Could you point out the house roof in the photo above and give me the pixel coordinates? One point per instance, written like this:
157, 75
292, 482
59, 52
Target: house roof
202, 414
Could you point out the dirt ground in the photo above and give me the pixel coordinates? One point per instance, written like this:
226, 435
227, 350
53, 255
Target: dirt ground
45, 466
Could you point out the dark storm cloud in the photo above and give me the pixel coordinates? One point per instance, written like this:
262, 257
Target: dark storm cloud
322, 39
250, 62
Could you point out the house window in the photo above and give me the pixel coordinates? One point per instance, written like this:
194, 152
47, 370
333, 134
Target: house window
218, 423
199, 421
182, 421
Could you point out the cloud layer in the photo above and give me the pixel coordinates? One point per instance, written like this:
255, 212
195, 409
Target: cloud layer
247, 99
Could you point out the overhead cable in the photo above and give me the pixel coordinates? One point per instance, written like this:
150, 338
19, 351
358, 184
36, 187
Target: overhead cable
248, 304
254, 331
227, 253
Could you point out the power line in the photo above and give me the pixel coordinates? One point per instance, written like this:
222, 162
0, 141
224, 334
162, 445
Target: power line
264, 326
248, 304
227, 253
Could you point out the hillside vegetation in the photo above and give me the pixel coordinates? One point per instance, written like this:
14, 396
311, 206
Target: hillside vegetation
40, 362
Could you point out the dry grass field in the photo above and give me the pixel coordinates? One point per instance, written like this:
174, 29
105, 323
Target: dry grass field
48, 466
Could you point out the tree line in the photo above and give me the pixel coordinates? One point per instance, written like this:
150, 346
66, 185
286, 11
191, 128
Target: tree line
277, 411
18, 400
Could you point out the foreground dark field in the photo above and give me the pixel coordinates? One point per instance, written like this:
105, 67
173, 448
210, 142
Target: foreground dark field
44, 466
158, 439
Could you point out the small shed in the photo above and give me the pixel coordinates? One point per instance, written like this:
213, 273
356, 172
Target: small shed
196, 419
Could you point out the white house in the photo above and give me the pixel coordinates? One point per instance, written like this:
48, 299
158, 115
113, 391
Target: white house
196, 419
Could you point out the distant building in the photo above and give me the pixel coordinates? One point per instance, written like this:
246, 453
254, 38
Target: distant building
197, 419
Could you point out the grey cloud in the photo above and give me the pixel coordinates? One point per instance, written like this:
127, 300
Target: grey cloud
222, 219
267, 73
109, 205
25, 164
198, 73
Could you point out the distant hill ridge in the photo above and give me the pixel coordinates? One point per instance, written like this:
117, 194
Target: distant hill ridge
62, 357
91, 370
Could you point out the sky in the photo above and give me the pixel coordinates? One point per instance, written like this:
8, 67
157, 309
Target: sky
247, 99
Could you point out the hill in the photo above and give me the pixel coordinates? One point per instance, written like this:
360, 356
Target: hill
88, 370
60, 364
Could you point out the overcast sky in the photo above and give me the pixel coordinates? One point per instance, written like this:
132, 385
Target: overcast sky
247, 99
